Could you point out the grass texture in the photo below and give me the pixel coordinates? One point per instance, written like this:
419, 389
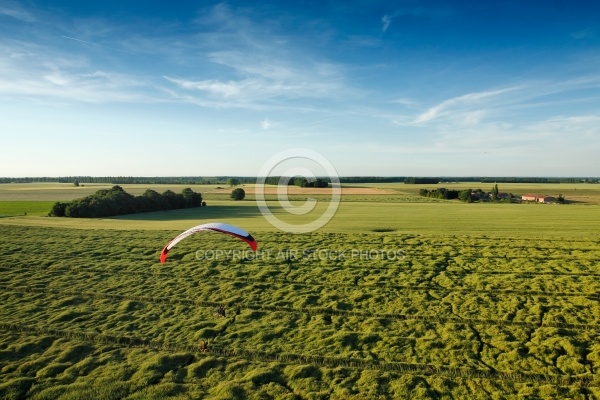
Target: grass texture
91, 313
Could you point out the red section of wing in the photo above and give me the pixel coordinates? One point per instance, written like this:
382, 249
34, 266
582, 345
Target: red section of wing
250, 240
163, 255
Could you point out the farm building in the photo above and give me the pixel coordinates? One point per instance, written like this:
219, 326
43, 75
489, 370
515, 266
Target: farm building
538, 198
546, 199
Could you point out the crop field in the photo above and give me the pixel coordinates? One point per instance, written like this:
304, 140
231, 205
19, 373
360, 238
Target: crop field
392, 299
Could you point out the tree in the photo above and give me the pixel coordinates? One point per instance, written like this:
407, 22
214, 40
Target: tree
321, 183
233, 182
494, 192
465, 195
238, 194
301, 182
172, 199
191, 198
58, 210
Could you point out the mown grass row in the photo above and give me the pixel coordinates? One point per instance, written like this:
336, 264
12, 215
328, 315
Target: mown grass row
239, 306
584, 381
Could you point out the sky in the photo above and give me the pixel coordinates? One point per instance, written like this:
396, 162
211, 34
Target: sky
378, 88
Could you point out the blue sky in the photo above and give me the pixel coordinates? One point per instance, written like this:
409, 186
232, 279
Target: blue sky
391, 88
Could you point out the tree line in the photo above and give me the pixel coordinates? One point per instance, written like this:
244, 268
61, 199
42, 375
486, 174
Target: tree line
418, 181
298, 181
115, 201
372, 179
154, 180
204, 180
466, 195
440, 193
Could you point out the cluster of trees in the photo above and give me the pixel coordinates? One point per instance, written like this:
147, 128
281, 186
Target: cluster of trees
115, 201
27, 180
466, 195
123, 180
441, 193
372, 179
318, 183
418, 181
298, 181
172, 180
530, 180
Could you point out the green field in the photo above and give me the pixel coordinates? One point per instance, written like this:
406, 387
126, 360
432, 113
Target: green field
24, 208
394, 298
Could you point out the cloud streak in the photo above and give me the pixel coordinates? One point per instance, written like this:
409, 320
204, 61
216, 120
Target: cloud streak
461, 102
51, 74
265, 124
386, 20
17, 13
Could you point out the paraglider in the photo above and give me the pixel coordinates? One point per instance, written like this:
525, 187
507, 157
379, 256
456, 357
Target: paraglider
216, 227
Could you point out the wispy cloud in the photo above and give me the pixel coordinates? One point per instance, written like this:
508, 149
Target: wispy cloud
233, 73
386, 20
226, 89
514, 101
460, 102
538, 140
414, 11
583, 34
17, 12
265, 124
100, 45
257, 91
404, 102
87, 88
263, 72
39, 73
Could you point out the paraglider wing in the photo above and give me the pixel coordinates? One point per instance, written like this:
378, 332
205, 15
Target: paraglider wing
215, 226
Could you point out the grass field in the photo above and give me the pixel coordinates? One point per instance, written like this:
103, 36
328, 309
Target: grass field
24, 208
445, 218
450, 301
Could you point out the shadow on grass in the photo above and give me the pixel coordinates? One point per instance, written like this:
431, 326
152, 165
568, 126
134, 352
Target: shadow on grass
209, 212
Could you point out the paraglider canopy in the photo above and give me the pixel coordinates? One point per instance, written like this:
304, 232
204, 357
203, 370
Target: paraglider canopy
216, 227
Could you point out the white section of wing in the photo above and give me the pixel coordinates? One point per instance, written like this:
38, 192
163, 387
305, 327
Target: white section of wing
218, 226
